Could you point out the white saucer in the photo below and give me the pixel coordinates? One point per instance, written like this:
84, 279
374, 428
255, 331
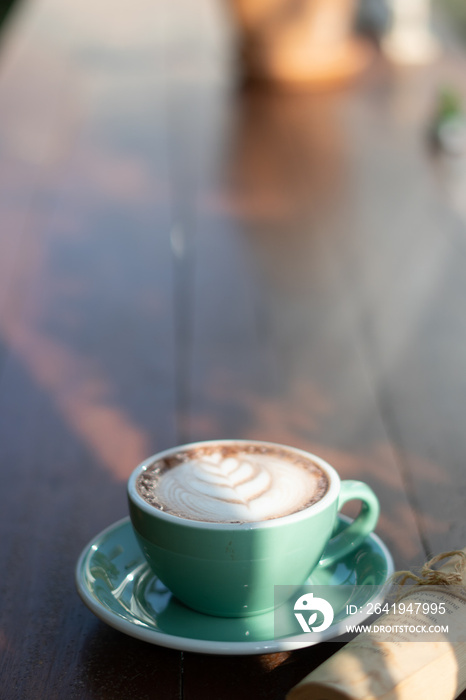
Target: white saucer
115, 582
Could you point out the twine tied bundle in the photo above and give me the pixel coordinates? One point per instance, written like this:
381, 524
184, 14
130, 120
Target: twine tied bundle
435, 577
372, 668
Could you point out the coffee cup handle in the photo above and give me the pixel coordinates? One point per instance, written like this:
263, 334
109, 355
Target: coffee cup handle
352, 536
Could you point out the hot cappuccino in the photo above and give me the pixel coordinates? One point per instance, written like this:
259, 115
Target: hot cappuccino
232, 483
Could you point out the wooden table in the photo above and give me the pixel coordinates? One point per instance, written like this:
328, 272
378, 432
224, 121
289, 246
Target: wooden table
182, 258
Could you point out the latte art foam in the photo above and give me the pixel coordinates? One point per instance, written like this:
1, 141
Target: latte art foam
232, 485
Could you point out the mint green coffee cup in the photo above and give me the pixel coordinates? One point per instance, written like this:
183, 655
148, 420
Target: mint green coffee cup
229, 569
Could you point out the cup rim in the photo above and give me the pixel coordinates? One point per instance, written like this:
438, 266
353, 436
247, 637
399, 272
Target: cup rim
315, 508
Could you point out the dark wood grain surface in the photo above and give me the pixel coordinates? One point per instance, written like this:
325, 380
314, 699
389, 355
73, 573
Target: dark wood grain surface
183, 257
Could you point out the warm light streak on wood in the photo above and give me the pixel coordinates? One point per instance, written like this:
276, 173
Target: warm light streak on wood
83, 397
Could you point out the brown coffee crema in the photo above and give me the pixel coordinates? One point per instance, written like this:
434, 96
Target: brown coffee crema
227, 483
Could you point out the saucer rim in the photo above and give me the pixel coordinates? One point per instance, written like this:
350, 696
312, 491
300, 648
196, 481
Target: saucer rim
205, 646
